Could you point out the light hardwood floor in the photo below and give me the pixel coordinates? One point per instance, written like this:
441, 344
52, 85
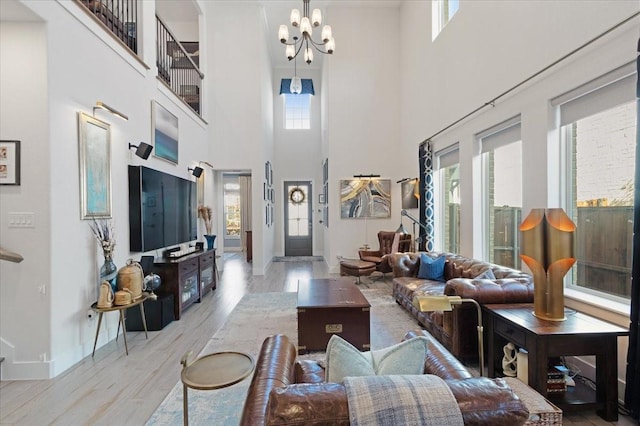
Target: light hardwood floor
116, 389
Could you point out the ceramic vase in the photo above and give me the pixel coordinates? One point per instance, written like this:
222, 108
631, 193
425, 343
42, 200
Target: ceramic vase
210, 241
109, 271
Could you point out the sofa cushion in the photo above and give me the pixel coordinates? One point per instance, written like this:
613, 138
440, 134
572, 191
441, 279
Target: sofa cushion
345, 360
430, 268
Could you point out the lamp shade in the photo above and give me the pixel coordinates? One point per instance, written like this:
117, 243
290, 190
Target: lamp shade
547, 247
316, 17
295, 17
326, 33
283, 33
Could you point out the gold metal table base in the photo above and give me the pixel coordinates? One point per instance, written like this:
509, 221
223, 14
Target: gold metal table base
213, 371
121, 310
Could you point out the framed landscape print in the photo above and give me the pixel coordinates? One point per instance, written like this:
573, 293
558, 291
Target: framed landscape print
164, 132
9, 162
95, 167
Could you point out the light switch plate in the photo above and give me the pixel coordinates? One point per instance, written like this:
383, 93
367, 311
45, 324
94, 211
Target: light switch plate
21, 219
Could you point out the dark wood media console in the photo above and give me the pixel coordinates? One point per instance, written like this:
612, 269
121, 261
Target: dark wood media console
187, 278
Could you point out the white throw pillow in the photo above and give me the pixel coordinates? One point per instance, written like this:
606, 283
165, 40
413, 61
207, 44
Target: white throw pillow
345, 360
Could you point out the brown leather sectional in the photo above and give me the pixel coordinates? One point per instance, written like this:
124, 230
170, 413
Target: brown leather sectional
286, 391
456, 330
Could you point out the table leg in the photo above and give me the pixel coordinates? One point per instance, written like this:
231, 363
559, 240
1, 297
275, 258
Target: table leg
97, 333
124, 330
118, 330
185, 406
491, 349
144, 320
538, 361
607, 380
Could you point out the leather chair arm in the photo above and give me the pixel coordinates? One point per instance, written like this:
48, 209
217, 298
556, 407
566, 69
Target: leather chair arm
370, 255
439, 361
507, 290
404, 264
274, 369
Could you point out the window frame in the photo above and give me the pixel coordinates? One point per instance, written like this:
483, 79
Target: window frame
441, 191
305, 112
501, 135
582, 293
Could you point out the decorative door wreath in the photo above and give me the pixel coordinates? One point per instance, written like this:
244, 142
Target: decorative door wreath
296, 195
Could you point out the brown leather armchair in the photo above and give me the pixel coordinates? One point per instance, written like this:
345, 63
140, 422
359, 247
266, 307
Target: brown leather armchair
388, 244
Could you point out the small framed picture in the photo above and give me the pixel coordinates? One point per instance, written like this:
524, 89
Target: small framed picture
9, 162
321, 198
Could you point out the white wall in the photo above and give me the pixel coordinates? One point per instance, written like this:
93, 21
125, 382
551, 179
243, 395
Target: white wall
487, 48
363, 119
23, 68
240, 99
82, 65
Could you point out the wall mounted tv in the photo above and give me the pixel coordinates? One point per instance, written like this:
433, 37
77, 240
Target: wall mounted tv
162, 209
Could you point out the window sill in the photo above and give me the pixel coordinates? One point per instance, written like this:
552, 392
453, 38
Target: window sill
600, 307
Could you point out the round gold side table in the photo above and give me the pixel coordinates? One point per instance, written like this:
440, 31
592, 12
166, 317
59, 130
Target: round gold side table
213, 371
121, 309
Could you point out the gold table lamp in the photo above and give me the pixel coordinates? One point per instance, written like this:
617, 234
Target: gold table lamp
546, 246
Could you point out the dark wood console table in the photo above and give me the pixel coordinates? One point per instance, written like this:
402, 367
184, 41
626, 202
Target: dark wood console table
579, 334
187, 278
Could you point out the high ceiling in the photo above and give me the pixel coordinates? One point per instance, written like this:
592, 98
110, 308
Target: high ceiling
276, 13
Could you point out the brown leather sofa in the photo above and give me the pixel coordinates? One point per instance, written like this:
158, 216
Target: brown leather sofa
286, 391
456, 330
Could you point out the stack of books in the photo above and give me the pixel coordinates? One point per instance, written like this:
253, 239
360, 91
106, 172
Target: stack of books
556, 382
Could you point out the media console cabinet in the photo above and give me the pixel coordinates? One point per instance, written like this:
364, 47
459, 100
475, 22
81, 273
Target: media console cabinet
187, 278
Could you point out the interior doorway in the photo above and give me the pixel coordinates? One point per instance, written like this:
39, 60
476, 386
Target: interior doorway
298, 226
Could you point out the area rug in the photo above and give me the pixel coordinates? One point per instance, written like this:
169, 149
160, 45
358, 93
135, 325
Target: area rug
255, 317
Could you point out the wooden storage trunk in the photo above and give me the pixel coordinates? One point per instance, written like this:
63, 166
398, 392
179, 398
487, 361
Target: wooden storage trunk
331, 306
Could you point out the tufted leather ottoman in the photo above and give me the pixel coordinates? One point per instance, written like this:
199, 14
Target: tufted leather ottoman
357, 268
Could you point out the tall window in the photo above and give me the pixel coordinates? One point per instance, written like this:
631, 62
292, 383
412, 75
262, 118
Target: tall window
502, 178
232, 210
297, 108
442, 11
297, 111
599, 128
449, 194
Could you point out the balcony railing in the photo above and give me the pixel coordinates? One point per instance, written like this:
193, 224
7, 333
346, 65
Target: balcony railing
177, 64
119, 16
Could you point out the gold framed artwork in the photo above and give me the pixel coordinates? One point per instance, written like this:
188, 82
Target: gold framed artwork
95, 167
365, 198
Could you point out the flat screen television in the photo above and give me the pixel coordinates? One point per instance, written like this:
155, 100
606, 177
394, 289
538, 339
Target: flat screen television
162, 209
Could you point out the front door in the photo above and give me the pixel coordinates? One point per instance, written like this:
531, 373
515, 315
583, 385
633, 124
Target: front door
298, 226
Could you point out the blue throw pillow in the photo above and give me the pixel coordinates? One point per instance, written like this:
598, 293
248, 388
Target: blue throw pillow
431, 268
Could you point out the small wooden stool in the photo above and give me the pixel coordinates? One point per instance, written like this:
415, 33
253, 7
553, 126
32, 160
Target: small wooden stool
357, 268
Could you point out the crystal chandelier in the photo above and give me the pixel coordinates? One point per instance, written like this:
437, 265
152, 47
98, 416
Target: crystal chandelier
306, 24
